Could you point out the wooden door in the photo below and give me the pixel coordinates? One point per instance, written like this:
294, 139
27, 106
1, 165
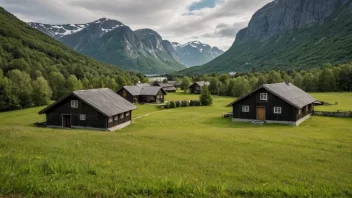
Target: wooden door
67, 121
261, 113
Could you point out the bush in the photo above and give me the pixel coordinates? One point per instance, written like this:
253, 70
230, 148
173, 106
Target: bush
178, 104
167, 105
184, 103
172, 105
196, 103
191, 103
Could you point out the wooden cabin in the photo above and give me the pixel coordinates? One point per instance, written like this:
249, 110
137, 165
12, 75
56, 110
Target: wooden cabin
274, 103
168, 87
101, 109
143, 93
197, 87
175, 84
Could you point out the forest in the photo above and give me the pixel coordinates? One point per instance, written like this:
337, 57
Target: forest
325, 79
35, 68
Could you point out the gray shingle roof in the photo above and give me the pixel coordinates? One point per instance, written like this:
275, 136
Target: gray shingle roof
150, 91
145, 90
134, 90
201, 83
287, 92
103, 100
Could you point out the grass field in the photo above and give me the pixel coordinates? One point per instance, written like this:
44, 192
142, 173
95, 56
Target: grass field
190, 152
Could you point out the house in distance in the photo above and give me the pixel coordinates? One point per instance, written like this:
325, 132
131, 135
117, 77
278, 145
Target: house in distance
168, 87
197, 87
274, 103
142, 93
101, 109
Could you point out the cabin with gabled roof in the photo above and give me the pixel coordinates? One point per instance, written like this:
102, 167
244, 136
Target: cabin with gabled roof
168, 87
100, 109
142, 93
197, 87
274, 103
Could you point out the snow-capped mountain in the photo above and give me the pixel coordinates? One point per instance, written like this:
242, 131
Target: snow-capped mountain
196, 53
111, 41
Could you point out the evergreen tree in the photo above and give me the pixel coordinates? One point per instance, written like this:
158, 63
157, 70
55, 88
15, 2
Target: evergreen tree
205, 96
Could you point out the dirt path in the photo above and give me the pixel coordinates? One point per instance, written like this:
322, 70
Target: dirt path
148, 114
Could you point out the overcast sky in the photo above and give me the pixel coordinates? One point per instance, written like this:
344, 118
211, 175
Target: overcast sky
214, 22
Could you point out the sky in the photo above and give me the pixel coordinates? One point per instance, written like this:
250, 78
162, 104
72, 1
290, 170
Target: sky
214, 22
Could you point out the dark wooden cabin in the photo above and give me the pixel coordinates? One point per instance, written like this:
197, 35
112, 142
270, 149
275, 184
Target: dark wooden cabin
168, 87
274, 103
142, 93
93, 109
197, 87
175, 84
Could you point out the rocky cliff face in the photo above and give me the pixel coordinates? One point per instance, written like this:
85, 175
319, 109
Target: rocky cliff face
281, 15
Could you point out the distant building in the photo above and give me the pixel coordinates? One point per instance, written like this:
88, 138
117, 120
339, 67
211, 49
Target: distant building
197, 87
143, 93
175, 84
100, 109
274, 103
168, 87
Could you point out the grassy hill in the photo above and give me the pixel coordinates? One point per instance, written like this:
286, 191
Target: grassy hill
180, 152
311, 46
26, 54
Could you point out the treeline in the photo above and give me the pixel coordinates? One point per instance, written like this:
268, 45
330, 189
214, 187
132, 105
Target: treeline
326, 79
34, 68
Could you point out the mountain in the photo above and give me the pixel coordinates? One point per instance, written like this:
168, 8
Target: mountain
289, 34
196, 53
112, 42
29, 58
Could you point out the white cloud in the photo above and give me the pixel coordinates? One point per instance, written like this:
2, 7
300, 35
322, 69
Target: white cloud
170, 18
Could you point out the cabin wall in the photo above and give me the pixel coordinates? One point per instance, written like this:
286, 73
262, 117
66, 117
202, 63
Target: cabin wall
195, 89
160, 97
288, 112
94, 119
128, 96
117, 120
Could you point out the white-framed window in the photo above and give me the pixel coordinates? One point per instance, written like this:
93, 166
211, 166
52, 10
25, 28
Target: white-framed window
263, 96
82, 116
116, 118
277, 110
74, 103
245, 108
121, 116
110, 119
127, 114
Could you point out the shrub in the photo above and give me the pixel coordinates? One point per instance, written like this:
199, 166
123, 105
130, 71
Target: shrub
196, 103
191, 103
178, 104
172, 105
184, 103
167, 105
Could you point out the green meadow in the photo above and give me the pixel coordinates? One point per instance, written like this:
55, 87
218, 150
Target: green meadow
183, 152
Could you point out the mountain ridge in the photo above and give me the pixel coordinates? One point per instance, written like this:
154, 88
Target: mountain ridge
304, 43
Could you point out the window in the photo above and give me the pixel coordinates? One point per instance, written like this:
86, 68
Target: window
124, 93
116, 118
277, 110
121, 116
263, 96
74, 103
82, 117
245, 108
127, 114
110, 119
300, 112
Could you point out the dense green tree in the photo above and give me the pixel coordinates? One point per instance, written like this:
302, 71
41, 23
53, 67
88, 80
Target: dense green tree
224, 79
274, 77
57, 84
8, 100
205, 97
253, 82
327, 80
186, 82
73, 84
261, 81
298, 80
21, 87
241, 87
41, 92
214, 86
